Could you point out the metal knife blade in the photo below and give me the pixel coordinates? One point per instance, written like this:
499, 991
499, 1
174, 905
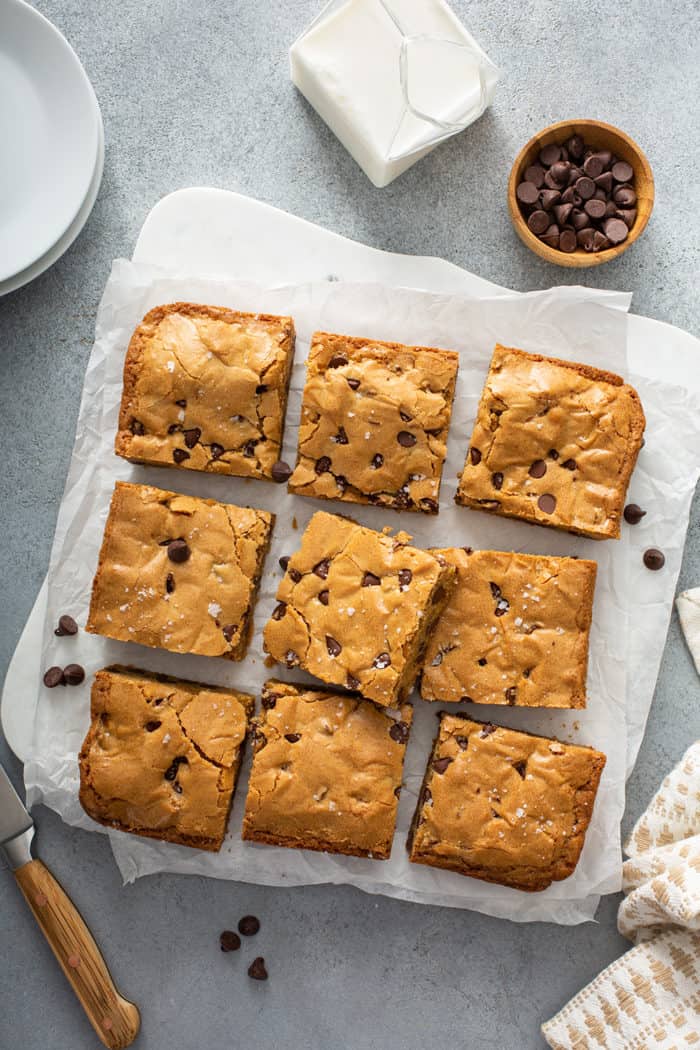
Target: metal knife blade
16, 826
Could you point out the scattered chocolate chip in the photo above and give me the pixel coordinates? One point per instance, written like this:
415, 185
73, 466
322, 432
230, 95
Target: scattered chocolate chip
229, 941
181, 402
353, 384
249, 449
281, 472
474, 455
73, 674
177, 787
381, 661
249, 924
321, 568
137, 427
654, 559
152, 726
54, 677
547, 503
173, 428
261, 388
192, 436
178, 551
292, 738
487, 730
322, 465
216, 451
462, 742
334, 647
268, 701
406, 439
520, 768
441, 764
569, 464
377, 461
171, 771
495, 590
405, 577
341, 438
370, 580
352, 682
323, 597
511, 695
337, 361
179, 455
431, 505
633, 514
538, 469
257, 970
405, 416
284, 562
229, 631
399, 732
497, 480
66, 626
294, 575
553, 454
279, 611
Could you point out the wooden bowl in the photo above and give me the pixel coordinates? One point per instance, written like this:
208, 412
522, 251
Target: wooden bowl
602, 136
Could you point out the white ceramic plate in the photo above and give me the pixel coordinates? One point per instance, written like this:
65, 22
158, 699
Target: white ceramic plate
49, 130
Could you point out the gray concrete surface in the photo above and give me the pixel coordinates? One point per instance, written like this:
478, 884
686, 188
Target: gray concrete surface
197, 93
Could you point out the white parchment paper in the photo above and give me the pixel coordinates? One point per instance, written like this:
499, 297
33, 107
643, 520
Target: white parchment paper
574, 323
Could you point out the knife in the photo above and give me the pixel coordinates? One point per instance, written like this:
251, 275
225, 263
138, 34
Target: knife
115, 1019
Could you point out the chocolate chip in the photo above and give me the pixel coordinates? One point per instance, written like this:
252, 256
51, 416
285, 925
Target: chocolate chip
249, 925
624, 196
284, 562
502, 607
249, 449
279, 611
441, 764
381, 661
192, 436
562, 213
604, 182
370, 580
654, 559
53, 677
66, 626
615, 230
137, 427
151, 727
622, 171
495, 590
538, 222
229, 941
334, 648
73, 674
169, 583
399, 732
600, 241
216, 451
553, 454
560, 172
548, 198
294, 575
511, 695
628, 216
352, 682
171, 771
462, 742
550, 236
322, 465
578, 219
633, 514
538, 469
291, 658
406, 439
337, 361
181, 402
268, 701
178, 551
353, 383
585, 187
593, 165
179, 455
341, 438
487, 730
281, 471
482, 661
585, 238
257, 970
321, 568
534, 174
547, 503
595, 208
520, 768
575, 147
550, 155
567, 241
405, 577
377, 461
228, 631
569, 464
173, 428
261, 388
497, 480
292, 738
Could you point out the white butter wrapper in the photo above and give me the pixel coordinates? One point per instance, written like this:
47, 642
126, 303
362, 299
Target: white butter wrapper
392, 79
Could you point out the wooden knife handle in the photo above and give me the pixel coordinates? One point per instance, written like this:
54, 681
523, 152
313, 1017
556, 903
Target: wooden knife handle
115, 1020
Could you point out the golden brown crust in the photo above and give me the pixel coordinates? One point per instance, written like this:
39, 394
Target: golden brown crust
504, 806
355, 607
515, 631
326, 772
203, 605
205, 388
162, 756
554, 443
375, 417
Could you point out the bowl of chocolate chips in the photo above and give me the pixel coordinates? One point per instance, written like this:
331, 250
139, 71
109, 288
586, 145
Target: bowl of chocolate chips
580, 193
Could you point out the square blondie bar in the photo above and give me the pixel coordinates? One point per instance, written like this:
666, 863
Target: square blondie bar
179, 573
515, 631
554, 443
356, 607
162, 755
326, 771
205, 388
374, 422
504, 806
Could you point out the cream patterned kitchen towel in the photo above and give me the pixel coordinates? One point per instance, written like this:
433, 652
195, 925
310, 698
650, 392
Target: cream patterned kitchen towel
650, 998
688, 606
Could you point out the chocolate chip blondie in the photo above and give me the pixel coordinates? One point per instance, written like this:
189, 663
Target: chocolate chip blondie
205, 388
162, 755
179, 573
356, 607
374, 422
326, 771
514, 631
554, 443
504, 806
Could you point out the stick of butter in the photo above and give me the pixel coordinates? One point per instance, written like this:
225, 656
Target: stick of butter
392, 79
